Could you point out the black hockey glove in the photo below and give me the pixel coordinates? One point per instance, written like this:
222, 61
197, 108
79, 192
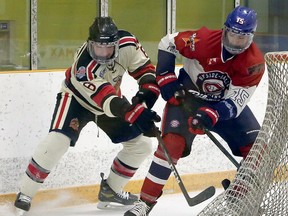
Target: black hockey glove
147, 94
142, 117
204, 117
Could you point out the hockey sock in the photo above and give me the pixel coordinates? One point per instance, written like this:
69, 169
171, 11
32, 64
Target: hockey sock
46, 155
159, 170
120, 174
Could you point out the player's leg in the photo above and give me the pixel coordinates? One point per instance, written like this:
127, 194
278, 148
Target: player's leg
128, 160
123, 168
175, 136
64, 132
239, 133
136, 149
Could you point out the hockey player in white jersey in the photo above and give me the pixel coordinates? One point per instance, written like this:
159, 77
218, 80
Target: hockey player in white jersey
91, 92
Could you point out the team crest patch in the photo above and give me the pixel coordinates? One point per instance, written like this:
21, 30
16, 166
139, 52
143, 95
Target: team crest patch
81, 72
174, 123
213, 84
74, 124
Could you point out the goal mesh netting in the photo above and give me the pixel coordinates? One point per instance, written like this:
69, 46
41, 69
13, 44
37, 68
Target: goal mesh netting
260, 186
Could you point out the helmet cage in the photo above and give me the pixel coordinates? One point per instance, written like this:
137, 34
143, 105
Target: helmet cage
104, 57
236, 42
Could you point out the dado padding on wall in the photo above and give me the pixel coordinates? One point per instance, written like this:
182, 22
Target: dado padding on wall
79, 195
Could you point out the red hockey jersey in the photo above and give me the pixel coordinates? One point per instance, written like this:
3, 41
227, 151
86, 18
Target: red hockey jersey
213, 71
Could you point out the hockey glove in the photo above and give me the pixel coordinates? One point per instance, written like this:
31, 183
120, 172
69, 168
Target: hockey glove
147, 94
204, 117
142, 117
171, 90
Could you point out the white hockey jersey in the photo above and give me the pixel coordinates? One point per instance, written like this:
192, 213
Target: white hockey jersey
95, 85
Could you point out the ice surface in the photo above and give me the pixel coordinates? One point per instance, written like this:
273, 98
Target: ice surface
168, 205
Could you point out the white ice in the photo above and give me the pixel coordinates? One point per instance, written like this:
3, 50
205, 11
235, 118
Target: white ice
168, 205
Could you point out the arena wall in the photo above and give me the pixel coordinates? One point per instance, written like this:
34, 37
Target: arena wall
27, 103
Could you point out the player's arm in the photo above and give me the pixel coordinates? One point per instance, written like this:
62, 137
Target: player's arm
101, 95
142, 70
235, 101
113, 106
171, 90
149, 90
207, 116
240, 92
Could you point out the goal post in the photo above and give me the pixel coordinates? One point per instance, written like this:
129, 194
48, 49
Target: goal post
260, 186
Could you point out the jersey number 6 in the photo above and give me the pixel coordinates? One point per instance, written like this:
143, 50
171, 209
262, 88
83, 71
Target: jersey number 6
90, 86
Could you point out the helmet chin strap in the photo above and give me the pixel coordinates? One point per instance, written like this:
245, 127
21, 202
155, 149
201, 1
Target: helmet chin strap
111, 65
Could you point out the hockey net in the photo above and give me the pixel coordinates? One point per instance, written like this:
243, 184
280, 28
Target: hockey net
260, 186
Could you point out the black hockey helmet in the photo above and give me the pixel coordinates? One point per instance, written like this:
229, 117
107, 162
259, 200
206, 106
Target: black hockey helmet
103, 30
103, 33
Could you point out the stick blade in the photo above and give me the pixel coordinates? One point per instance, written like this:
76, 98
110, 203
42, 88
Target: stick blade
202, 196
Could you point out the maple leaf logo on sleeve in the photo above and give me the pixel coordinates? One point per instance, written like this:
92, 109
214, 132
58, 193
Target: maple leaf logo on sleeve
191, 41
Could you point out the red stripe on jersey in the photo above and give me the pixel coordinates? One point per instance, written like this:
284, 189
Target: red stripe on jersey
107, 89
149, 68
61, 108
127, 40
68, 74
90, 68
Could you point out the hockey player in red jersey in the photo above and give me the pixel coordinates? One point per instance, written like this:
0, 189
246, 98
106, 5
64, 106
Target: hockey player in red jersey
220, 73
91, 92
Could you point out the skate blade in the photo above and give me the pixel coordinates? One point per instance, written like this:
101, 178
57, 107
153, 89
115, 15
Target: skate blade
113, 206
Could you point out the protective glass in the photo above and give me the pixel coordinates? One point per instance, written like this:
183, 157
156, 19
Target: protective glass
103, 53
236, 42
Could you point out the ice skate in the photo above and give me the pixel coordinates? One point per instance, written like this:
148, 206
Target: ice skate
109, 199
22, 204
140, 208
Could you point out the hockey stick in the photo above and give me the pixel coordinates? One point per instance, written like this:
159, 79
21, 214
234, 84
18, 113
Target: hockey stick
192, 201
221, 147
225, 182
